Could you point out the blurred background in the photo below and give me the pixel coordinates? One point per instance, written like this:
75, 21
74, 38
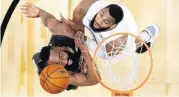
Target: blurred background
25, 36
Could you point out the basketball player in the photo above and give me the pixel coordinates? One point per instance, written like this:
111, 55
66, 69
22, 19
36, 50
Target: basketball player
104, 19
65, 48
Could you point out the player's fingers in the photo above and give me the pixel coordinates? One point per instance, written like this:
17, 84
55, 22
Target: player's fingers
24, 12
22, 8
61, 16
79, 37
28, 4
25, 7
79, 41
79, 34
70, 22
75, 38
29, 14
83, 38
76, 35
64, 20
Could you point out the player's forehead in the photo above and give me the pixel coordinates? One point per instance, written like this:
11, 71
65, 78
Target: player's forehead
56, 48
105, 12
57, 51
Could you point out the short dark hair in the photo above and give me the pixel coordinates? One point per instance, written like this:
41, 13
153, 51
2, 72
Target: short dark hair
45, 53
116, 12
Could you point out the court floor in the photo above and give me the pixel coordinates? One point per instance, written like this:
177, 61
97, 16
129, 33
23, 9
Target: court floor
25, 36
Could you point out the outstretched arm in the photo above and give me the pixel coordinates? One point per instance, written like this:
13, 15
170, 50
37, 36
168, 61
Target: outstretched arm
48, 19
81, 10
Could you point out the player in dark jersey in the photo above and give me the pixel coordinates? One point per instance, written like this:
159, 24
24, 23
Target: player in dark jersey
60, 50
66, 48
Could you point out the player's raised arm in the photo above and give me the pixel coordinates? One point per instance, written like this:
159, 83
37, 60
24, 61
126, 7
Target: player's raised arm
89, 78
48, 19
81, 9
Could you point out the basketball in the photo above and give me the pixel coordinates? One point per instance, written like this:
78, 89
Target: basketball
54, 79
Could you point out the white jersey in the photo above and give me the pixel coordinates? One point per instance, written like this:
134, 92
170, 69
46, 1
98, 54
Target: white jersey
127, 24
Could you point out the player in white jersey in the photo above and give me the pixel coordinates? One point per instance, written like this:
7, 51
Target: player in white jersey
103, 19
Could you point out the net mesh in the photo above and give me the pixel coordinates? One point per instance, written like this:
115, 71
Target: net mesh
123, 69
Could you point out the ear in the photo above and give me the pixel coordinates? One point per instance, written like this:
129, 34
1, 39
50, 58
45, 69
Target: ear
70, 62
112, 27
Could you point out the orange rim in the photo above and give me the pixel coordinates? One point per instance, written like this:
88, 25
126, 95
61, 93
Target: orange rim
142, 83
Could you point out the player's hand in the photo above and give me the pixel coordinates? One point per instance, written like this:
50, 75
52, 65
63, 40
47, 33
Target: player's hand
76, 27
80, 41
30, 10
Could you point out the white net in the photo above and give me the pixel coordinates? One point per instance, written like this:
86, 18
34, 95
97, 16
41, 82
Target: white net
123, 68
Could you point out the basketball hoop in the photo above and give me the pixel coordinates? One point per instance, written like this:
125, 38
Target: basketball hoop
131, 82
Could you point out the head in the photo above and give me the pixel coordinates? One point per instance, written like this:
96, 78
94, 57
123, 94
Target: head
107, 18
56, 55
